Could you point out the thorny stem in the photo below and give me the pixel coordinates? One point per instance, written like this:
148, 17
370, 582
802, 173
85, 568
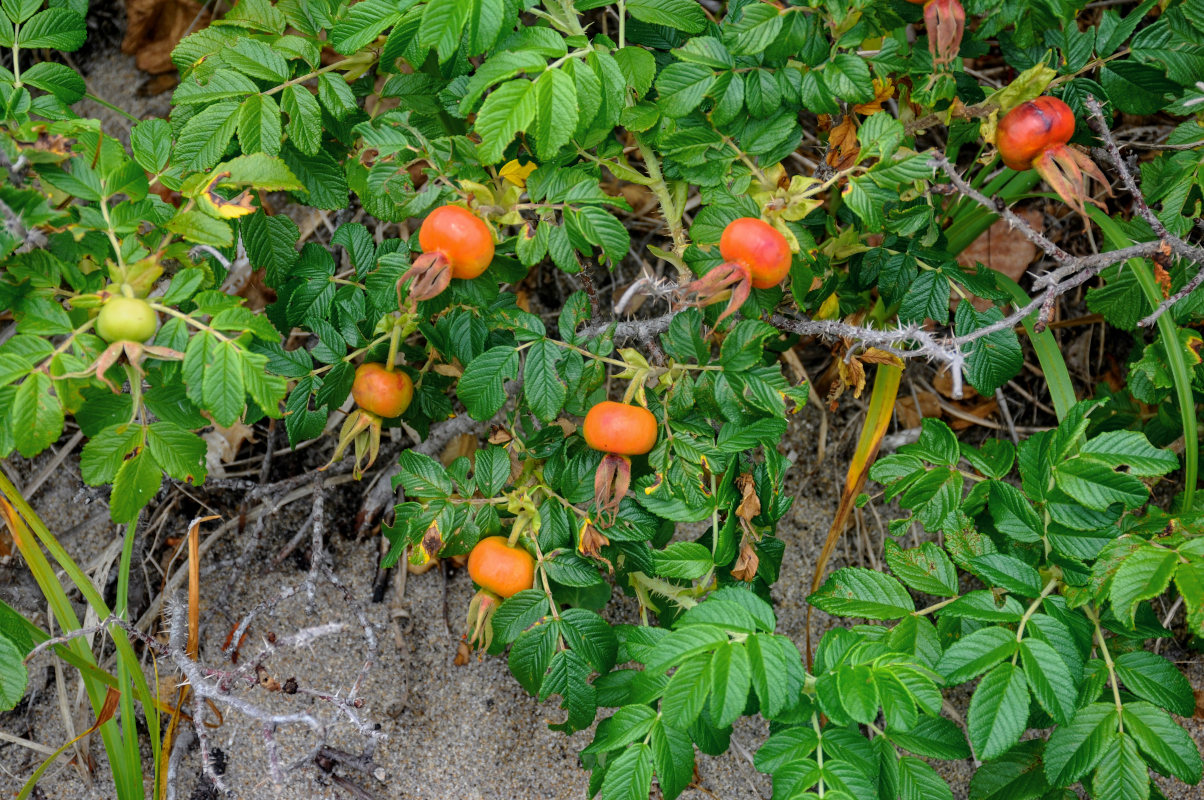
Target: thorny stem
657, 183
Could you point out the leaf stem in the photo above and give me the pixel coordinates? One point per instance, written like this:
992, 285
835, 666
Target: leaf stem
308, 77
1093, 615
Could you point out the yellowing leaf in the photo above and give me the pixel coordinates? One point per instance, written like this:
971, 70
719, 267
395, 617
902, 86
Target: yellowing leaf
517, 173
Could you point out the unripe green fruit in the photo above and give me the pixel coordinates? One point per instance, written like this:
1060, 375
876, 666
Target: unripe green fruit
126, 319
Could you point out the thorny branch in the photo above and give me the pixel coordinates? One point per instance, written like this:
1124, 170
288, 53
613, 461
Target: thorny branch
913, 341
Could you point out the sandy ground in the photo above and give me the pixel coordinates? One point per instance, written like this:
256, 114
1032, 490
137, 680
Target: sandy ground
449, 732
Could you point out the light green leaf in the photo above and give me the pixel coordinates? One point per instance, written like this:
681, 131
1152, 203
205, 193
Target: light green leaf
1133, 450
975, 653
505, 112
442, 23
1096, 485
198, 227
482, 386
304, 119
686, 692
859, 592
204, 138
136, 484
14, 677
684, 15
731, 678
259, 127
681, 87
223, 390
1143, 575
36, 415
556, 117
629, 777
55, 29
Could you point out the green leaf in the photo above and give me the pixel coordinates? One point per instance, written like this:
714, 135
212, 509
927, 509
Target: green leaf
14, 677
442, 23
58, 79
1143, 575
998, 711
925, 568
686, 692
1167, 746
992, 359
1007, 572
683, 561
1074, 750
1136, 88
199, 227
1122, 774
918, 781
556, 117
364, 22
672, 758
1016, 775
36, 415
482, 386
150, 141
224, 84
136, 484
204, 138
933, 737
775, 663
491, 468
531, 654
755, 30
223, 390
179, 452
974, 654
629, 777
1013, 514
568, 676
681, 87
304, 119
791, 744
731, 678
422, 476
849, 77
259, 129
859, 592
20, 10
858, 692
1049, 679
543, 387
105, 452
508, 110
336, 95
1096, 485
591, 637
257, 59
684, 15
519, 612
628, 724
323, 177
1133, 450
1151, 677
55, 29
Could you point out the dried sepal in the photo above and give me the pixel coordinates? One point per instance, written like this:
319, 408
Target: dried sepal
728, 281
611, 482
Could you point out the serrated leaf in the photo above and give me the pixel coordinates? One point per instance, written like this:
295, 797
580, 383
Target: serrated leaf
859, 592
998, 711
684, 15
629, 777
204, 138
1049, 679
1168, 747
14, 677
976, 653
1143, 575
136, 484
482, 386
1074, 749
1096, 485
259, 129
508, 110
36, 415
1151, 677
925, 568
543, 388
556, 115
1133, 450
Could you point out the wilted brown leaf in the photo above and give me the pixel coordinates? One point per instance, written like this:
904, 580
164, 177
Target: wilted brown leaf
746, 565
1002, 249
842, 144
750, 504
910, 416
464, 445
155, 27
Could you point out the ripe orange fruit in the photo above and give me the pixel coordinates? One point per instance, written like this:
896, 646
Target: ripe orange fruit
620, 429
759, 248
384, 393
461, 237
1031, 128
504, 570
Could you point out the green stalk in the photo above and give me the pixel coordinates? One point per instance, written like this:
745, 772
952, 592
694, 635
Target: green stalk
129, 730
127, 786
1174, 354
1057, 376
970, 221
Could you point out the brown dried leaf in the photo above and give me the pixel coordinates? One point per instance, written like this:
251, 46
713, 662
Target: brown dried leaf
842, 144
910, 416
750, 504
1002, 249
464, 445
943, 383
746, 565
884, 90
155, 27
